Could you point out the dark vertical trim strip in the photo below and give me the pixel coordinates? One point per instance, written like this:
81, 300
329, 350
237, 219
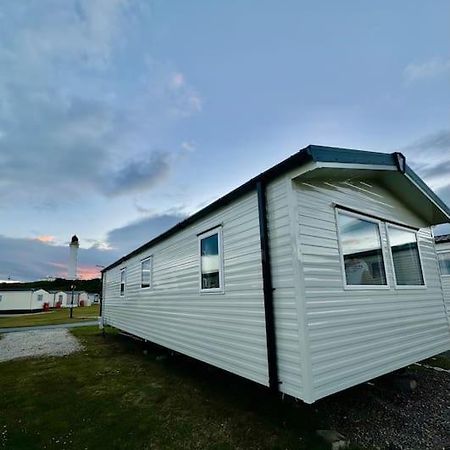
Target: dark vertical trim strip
102, 297
267, 289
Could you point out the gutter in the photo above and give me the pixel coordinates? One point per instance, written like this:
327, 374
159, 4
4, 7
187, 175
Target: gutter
272, 362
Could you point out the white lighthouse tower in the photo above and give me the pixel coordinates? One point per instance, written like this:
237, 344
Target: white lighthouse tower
73, 259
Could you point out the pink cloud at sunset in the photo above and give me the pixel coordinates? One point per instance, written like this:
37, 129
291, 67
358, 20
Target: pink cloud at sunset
48, 239
88, 272
84, 272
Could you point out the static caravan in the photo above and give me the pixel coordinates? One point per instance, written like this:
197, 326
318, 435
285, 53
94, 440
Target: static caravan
316, 275
443, 252
92, 298
79, 298
19, 300
57, 297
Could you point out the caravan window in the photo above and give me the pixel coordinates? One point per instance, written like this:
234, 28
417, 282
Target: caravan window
122, 281
40, 297
361, 251
405, 256
444, 263
146, 272
211, 261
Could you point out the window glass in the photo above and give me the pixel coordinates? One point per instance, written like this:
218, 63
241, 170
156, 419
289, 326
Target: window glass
122, 282
405, 256
146, 272
361, 249
60, 298
210, 262
40, 297
444, 263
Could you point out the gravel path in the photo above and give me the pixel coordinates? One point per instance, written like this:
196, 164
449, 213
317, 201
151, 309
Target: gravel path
378, 416
28, 344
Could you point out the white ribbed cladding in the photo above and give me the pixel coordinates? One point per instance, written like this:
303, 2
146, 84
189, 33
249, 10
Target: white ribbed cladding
282, 255
226, 330
356, 335
444, 247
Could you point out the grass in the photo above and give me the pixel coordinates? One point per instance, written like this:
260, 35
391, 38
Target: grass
52, 317
112, 395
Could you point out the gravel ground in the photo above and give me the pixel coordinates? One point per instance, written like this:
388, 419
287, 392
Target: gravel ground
379, 416
28, 344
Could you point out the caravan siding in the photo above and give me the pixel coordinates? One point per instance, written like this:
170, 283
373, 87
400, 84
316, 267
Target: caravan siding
357, 334
16, 300
444, 249
286, 301
23, 301
225, 329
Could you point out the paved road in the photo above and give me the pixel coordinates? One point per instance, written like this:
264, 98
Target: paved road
86, 323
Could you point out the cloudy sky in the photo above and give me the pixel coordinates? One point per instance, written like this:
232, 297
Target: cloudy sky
120, 117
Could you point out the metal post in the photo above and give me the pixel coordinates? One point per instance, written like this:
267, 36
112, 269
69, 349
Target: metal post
71, 303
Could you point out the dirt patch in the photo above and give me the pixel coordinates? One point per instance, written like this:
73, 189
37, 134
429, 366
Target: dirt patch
27, 344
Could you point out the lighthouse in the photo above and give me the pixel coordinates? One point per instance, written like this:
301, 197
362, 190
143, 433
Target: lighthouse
73, 259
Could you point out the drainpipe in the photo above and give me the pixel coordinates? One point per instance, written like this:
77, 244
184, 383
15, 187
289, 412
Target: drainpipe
267, 288
102, 295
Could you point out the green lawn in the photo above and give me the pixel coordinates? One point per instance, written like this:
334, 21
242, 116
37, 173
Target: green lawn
52, 317
113, 396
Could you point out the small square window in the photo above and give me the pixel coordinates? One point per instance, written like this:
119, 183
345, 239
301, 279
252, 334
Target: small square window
40, 297
146, 272
361, 249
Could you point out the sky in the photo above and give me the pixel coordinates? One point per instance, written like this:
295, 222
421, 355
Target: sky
120, 117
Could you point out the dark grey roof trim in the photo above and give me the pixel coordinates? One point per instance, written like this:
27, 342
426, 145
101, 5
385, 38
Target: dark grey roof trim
312, 153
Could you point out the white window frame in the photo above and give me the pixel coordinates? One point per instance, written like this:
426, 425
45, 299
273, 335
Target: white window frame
124, 271
221, 289
353, 287
148, 258
411, 230
40, 297
442, 252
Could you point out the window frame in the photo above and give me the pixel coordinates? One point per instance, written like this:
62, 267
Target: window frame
210, 232
416, 233
147, 258
124, 271
358, 287
442, 252
40, 297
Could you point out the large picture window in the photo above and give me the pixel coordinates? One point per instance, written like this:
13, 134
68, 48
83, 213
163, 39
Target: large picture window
146, 272
361, 251
123, 276
405, 257
211, 264
444, 263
